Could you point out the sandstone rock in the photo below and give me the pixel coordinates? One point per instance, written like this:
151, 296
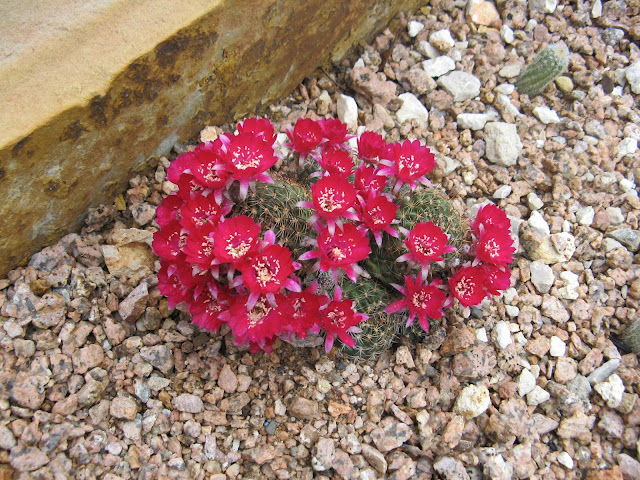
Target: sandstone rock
27, 459
227, 380
130, 260
375, 458
503, 143
472, 401
189, 403
132, 307
390, 434
123, 408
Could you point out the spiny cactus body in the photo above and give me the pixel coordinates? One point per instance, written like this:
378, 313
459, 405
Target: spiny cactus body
424, 205
380, 330
274, 206
550, 63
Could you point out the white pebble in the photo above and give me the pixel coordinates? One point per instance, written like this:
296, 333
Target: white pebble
626, 185
427, 50
414, 28
571, 284
526, 382
348, 111
537, 396
611, 391
627, 146
512, 310
473, 121
557, 348
412, 109
542, 276
585, 215
442, 36
534, 202
481, 334
615, 215
505, 88
537, 222
436, 67
472, 401
503, 191
565, 460
502, 334
507, 34
546, 115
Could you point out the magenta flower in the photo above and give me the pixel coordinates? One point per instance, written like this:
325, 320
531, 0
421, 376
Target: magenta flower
468, 285
257, 324
370, 146
306, 310
171, 285
169, 210
490, 217
234, 239
423, 301
260, 128
199, 246
339, 319
267, 272
205, 164
168, 242
205, 310
336, 162
333, 197
368, 178
426, 243
378, 213
334, 131
305, 136
343, 249
202, 210
498, 278
408, 162
494, 246
246, 157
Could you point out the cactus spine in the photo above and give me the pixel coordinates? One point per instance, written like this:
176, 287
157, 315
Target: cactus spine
550, 63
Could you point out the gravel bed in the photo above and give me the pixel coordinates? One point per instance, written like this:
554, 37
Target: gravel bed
99, 379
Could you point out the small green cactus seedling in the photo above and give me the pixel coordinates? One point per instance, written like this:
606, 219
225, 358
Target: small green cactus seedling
550, 63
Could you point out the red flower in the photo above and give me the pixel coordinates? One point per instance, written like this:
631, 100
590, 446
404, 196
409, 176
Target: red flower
336, 162
495, 246
408, 162
171, 285
260, 323
333, 197
425, 301
378, 212
468, 285
426, 243
305, 136
199, 246
306, 310
169, 210
342, 249
490, 215
247, 157
261, 128
339, 319
234, 239
204, 164
368, 178
168, 242
334, 131
267, 272
498, 278
179, 165
206, 309
200, 210
370, 146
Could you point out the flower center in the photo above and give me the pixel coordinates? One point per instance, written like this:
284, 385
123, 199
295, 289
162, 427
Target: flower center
237, 249
260, 310
337, 319
464, 287
337, 254
329, 201
492, 248
265, 271
245, 157
420, 299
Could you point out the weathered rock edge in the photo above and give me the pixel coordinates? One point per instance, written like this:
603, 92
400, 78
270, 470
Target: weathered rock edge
224, 61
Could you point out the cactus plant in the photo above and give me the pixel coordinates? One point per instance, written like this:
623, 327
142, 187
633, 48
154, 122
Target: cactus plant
630, 338
550, 63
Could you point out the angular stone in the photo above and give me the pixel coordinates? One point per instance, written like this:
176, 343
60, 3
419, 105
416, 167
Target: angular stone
575, 425
451, 469
347, 110
390, 434
261, 454
227, 380
160, 356
235, 403
304, 408
628, 237
472, 401
472, 121
128, 97
503, 143
27, 459
325, 450
375, 458
87, 357
460, 85
123, 408
131, 260
412, 109
189, 403
132, 307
